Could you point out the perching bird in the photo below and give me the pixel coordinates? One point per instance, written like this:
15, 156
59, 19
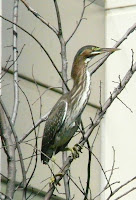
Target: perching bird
64, 118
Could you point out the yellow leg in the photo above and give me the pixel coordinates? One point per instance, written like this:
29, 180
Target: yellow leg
53, 176
53, 179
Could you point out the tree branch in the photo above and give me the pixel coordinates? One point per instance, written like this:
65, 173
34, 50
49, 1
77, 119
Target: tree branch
65, 88
15, 65
120, 187
80, 20
96, 121
16, 143
125, 36
10, 147
39, 43
43, 119
36, 14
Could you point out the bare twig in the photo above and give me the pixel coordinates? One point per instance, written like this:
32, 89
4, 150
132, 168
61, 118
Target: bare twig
39, 43
100, 100
126, 193
4, 197
88, 171
16, 143
36, 14
65, 89
63, 48
108, 103
35, 136
6, 69
132, 58
66, 177
120, 187
15, 65
125, 105
6, 133
102, 170
46, 90
125, 36
80, 20
43, 119
112, 167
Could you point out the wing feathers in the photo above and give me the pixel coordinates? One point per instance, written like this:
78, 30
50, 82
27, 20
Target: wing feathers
52, 126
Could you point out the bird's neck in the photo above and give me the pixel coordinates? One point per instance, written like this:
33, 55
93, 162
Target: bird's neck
80, 73
81, 83
81, 89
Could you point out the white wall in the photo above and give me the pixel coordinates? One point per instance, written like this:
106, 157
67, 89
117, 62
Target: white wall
119, 126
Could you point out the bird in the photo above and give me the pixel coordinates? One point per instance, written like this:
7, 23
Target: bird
65, 117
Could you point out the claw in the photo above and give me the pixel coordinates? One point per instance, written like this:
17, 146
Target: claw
53, 179
78, 147
75, 150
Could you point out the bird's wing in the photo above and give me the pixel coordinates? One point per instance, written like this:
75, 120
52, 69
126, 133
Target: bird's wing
53, 124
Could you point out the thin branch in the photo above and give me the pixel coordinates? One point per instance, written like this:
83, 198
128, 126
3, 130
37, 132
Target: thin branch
36, 14
6, 133
4, 197
7, 61
80, 20
6, 69
125, 105
16, 142
108, 103
63, 49
1, 173
125, 36
100, 100
82, 129
126, 193
66, 178
65, 89
46, 90
120, 187
112, 169
102, 169
104, 190
58, 17
39, 43
15, 65
43, 119
88, 170
35, 136
89, 163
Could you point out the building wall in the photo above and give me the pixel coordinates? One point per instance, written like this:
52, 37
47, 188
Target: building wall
91, 31
119, 123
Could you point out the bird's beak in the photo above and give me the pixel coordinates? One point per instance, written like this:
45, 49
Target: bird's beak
108, 50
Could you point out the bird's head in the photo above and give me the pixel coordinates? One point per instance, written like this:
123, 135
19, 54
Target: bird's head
84, 55
88, 52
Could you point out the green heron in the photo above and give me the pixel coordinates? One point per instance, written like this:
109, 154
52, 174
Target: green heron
65, 117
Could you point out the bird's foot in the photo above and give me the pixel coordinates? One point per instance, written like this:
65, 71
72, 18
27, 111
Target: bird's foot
53, 180
75, 150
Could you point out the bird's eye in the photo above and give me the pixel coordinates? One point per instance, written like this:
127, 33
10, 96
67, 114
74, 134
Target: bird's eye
96, 48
